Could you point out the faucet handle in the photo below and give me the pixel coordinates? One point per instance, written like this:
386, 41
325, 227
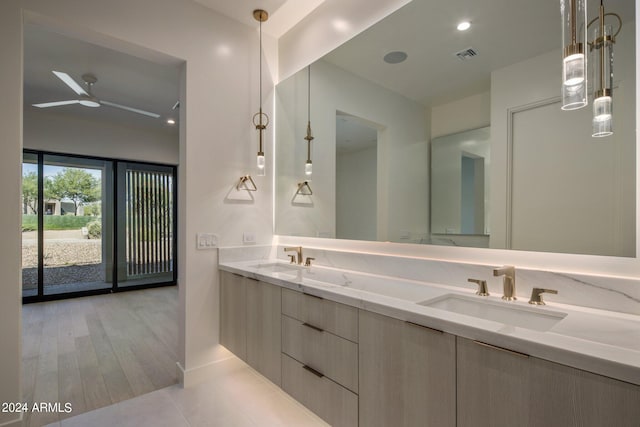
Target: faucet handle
482, 287
292, 259
536, 295
307, 262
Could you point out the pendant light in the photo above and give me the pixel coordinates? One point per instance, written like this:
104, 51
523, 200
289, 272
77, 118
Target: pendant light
308, 166
574, 63
601, 50
260, 119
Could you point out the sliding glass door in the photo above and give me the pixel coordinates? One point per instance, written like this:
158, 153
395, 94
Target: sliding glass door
78, 194
82, 237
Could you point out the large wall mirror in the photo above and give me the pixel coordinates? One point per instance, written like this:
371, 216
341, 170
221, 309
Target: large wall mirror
426, 134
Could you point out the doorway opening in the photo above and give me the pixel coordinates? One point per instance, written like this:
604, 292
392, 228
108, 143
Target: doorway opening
356, 178
81, 237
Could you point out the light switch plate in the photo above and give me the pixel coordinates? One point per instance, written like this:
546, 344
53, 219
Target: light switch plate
206, 241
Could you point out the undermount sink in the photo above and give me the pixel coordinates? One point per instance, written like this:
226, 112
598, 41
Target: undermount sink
509, 313
275, 267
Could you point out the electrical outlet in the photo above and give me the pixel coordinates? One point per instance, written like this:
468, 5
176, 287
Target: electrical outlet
206, 241
248, 237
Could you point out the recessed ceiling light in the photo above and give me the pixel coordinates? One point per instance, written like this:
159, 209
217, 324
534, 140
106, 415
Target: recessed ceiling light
171, 122
395, 57
464, 26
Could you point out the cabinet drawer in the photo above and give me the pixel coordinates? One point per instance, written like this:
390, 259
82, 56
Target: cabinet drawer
339, 319
335, 357
330, 401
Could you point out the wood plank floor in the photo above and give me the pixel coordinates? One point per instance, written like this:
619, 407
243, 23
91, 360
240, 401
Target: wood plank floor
99, 350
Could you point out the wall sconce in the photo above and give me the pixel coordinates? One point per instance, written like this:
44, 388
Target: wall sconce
574, 65
260, 119
308, 166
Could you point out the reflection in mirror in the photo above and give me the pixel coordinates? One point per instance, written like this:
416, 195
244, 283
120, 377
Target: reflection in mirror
460, 188
548, 185
356, 178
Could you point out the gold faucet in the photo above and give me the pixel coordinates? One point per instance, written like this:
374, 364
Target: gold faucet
536, 295
298, 250
482, 287
508, 281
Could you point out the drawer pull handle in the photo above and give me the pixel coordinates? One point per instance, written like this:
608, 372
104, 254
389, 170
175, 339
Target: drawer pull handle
311, 295
313, 371
506, 350
424, 327
315, 328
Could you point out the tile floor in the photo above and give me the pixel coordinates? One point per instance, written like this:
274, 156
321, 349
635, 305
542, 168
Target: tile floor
235, 396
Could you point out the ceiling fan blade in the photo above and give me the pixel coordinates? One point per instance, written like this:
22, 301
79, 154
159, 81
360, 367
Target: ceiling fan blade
66, 78
134, 110
55, 103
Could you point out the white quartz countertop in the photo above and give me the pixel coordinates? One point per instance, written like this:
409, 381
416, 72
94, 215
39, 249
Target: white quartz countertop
599, 341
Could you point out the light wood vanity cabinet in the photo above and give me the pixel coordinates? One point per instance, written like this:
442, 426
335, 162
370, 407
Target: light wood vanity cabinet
354, 367
233, 313
320, 356
250, 322
263, 329
497, 387
407, 374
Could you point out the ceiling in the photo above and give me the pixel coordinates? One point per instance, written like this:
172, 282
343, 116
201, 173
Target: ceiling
283, 14
354, 134
122, 79
503, 32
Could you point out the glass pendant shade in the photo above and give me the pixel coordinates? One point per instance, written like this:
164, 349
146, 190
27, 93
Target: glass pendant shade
574, 64
602, 116
602, 78
261, 164
308, 168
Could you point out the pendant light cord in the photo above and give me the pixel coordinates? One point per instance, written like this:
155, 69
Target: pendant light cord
309, 93
260, 66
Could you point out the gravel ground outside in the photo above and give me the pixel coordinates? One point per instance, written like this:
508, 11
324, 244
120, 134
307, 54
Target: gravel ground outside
66, 260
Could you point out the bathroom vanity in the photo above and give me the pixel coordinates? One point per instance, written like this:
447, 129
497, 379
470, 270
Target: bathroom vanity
373, 350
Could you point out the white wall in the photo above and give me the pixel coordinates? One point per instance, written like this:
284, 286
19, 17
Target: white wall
217, 146
10, 175
464, 114
403, 190
63, 133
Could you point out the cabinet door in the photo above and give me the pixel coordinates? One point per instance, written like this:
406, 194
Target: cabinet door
263, 329
493, 386
569, 397
233, 313
407, 374
497, 387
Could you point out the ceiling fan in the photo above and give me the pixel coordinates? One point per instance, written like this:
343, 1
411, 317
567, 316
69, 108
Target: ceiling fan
86, 97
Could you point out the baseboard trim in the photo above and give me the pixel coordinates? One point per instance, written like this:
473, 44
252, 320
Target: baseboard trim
193, 376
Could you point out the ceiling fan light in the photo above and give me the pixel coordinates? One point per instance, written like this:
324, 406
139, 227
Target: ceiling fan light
88, 103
